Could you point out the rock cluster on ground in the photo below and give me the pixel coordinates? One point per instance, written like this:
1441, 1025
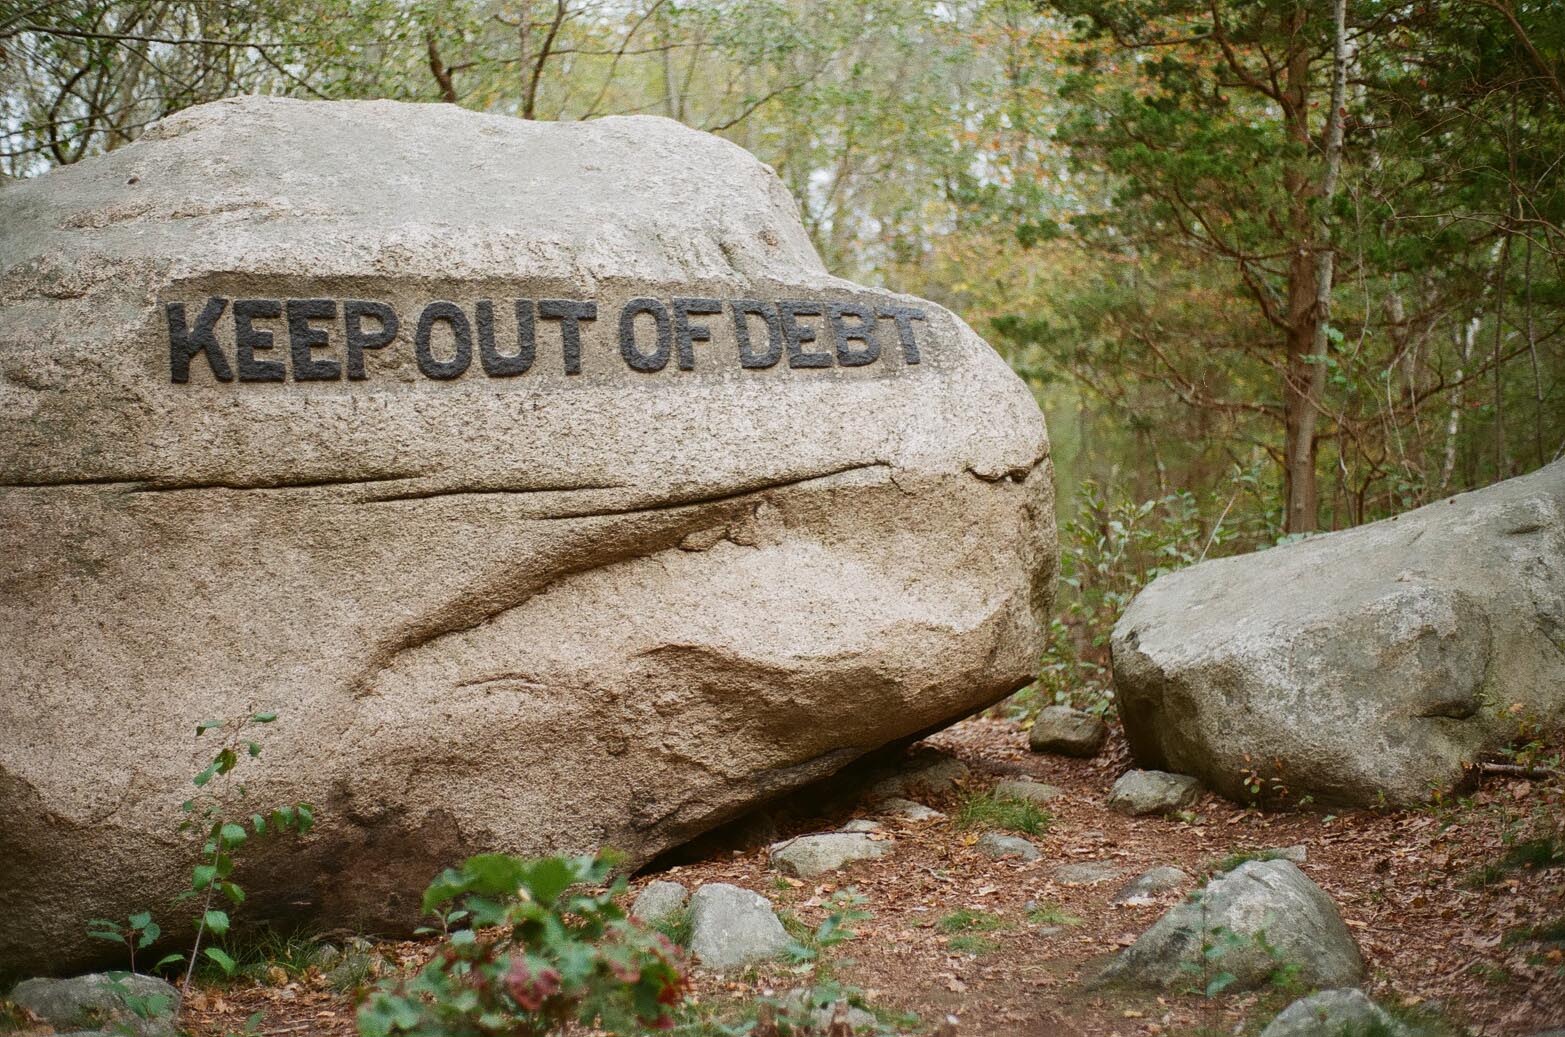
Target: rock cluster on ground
731, 927
1153, 792
1249, 923
97, 1002
1376, 664
737, 523
1068, 732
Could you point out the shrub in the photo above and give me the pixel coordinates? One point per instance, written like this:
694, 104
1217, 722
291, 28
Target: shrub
531, 945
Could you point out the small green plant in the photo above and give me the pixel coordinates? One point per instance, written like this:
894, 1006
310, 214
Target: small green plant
676, 926
966, 920
986, 810
141, 932
1538, 853
1049, 914
216, 813
847, 909
531, 945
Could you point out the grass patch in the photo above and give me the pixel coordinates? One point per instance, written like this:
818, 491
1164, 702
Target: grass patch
1539, 853
972, 943
986, 810
1049, 914
1552, 931
1238, 857
260, 954
965, 921
675, 925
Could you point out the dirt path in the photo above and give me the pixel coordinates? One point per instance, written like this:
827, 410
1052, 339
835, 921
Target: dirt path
1408, 885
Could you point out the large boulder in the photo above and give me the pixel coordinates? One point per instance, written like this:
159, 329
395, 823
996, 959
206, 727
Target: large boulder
1378, 662
639, 518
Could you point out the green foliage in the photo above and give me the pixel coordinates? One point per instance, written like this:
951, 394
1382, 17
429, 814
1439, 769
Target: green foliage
966, 920
530, 946
986, 810
847, 909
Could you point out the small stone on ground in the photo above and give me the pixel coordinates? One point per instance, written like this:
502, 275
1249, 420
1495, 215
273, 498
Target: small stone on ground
1153, 792
1086, 873
1332, 1013
659, 900
862, 825
908, 810
993, 844
731, 927
811, 855
1144, 888
1067, 731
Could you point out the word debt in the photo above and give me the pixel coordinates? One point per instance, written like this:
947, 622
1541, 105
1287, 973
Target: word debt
322, 340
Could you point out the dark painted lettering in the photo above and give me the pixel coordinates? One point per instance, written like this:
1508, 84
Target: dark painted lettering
248, 338
184, 342
686, 334
905, 316
353, 313
796, 335
639, 361
497, 364
862, 331
302, 338
461, 333
569, 312
742, 310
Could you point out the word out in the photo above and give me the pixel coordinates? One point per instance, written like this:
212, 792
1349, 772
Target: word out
324, 340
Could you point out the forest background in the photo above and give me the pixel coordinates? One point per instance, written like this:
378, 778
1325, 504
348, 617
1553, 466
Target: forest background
1270, 266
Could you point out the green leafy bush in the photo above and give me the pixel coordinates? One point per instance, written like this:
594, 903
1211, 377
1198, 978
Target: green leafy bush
531, 945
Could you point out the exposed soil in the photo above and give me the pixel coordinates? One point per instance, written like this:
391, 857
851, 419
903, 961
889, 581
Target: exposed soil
1409, 884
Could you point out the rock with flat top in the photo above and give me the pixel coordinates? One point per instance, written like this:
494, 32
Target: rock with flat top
1153, 792
142, 1005
993, 844
1067, 732
1027, 789
809, 856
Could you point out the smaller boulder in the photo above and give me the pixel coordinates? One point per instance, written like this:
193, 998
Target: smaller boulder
1153, 792
1086, 873
1297, 853
659, 901
731, 927
808, 1008
1026, 788
1253, 921
1068, 732
908, 810
993, 844
812, 855
862, 825
1332, 1013
101, 1001
1145, 888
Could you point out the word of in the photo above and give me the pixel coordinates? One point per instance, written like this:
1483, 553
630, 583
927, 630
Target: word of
651, 334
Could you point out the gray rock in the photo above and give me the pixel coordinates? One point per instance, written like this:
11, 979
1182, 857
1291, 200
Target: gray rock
1380, 661
1258, 905
659, 900
908, 810
993, 844
1068, 732
97, 1001
1026, 788
1297, 853
862, 825
1333, 1013
811, 855
731, 927
1153, 792
489, 556
1086, 873
1146, 887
